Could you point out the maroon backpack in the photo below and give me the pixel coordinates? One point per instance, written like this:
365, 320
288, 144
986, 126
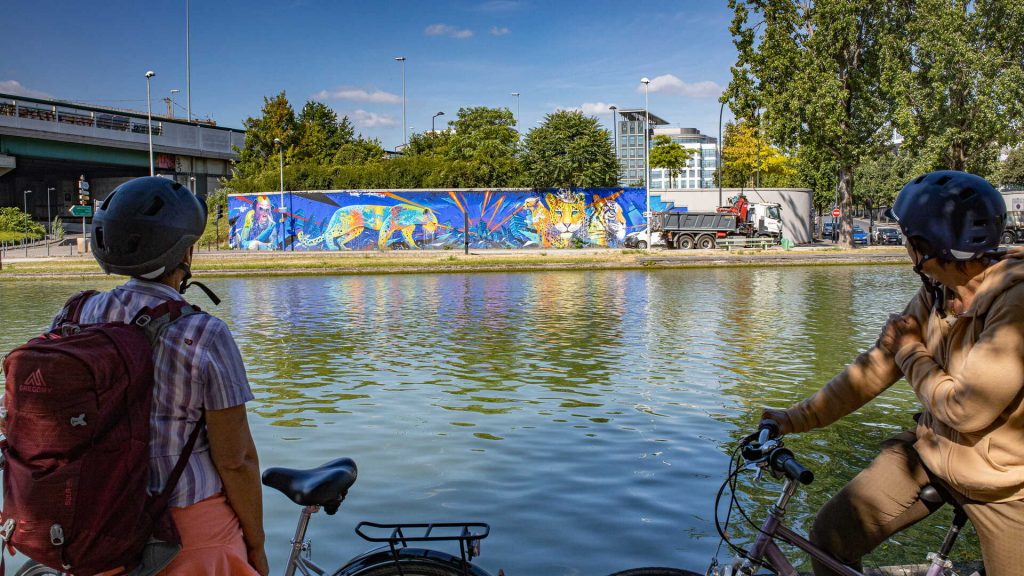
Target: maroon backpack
76, 457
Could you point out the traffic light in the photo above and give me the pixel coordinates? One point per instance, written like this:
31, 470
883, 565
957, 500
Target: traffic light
220, 212
84, 196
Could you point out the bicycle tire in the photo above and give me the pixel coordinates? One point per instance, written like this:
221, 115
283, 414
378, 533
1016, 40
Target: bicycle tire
33, 568
655, 572
412, 568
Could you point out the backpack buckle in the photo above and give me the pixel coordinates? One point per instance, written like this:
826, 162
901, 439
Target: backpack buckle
7, 530
57, 535
143, 320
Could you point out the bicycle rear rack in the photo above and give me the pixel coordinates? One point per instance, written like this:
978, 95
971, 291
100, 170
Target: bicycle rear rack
467, 534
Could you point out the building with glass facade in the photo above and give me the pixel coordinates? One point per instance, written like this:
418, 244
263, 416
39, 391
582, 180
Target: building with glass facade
629, 148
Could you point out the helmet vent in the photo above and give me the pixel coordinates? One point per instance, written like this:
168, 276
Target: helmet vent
966, 194
920, 179
107, 201
156, 206
97, 232
942, 181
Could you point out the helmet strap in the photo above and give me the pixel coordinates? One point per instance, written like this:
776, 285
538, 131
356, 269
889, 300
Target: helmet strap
185, 284
934, 288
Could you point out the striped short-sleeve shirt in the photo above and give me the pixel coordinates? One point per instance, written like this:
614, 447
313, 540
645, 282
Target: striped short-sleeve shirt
197, 367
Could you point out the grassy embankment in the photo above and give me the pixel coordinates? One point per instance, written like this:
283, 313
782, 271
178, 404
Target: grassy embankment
266, 263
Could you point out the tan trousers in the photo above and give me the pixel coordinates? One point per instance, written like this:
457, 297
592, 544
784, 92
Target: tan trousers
883, 499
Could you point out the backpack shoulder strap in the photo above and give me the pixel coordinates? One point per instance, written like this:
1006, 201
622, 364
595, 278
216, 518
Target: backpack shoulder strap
72, 310
154, 320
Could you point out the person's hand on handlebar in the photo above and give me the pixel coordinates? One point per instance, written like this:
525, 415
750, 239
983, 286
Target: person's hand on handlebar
779, 417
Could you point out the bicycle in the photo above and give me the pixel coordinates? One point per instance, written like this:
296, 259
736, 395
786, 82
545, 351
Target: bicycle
764, 449
325, 487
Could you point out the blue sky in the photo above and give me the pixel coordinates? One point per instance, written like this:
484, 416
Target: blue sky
557, 54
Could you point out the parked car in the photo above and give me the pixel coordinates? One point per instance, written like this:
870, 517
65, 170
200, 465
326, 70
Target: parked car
638, 240
860, 236
827, 231
886, 235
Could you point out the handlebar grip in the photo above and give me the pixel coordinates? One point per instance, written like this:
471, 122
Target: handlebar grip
783, 461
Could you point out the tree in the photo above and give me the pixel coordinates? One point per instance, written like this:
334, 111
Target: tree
670, 155
486, 141
959, 83
881, 177
570, 150
277, 120
1011, 170
815, 68
749, 160
319, 134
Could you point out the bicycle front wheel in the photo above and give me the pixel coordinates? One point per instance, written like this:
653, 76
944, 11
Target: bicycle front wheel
33, 568
655, 572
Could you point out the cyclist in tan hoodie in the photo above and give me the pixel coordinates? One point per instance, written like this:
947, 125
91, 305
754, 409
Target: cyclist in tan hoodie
960, 345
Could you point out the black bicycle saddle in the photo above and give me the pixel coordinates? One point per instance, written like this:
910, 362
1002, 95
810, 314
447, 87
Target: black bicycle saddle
321, 486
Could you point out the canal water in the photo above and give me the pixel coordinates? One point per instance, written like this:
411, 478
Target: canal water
587, 416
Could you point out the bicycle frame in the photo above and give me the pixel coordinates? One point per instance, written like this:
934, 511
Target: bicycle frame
296, 561
766, 549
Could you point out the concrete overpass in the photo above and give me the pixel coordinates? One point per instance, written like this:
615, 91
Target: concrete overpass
50, 143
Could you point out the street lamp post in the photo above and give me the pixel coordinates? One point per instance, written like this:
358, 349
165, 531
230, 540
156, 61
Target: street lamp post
25, 204
49, 222
188, 58
432, 122
170, 109
718, 156
516, 95
405, 129
615, 130
647, 169
280, 155
149, 121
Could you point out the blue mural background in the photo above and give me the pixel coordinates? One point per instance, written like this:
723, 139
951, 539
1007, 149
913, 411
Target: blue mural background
421, 219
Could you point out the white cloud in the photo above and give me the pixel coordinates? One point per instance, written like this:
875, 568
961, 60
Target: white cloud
358, 95
364, 119
670, 84
446, 30
596, 108
503, 31
14, 87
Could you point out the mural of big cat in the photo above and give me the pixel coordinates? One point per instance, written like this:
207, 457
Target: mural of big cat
415, 219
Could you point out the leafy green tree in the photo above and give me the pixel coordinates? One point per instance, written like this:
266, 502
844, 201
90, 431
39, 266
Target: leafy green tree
881, 177
748, 159
485, 139
815, 69
569, 150
319, 134
277, 120
670, 155
1011, 170
959, 82
430, 143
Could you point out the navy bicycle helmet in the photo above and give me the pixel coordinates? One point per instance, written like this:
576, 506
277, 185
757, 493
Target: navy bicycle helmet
960, 216
145, 227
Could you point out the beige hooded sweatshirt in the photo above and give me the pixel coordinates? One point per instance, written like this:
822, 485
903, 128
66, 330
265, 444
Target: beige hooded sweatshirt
969, 377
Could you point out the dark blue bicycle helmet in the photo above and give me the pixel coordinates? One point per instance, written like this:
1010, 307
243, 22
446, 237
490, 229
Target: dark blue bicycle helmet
145, 227
959, 216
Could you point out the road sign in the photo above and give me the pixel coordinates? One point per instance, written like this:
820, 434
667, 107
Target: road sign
81, 211
836, 212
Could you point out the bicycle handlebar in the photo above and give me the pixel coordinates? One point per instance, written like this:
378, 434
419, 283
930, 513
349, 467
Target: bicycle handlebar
783, 461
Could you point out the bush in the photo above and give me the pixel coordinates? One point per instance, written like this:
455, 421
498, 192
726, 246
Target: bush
14, 220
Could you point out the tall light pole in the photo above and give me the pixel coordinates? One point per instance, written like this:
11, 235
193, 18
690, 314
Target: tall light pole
170, 107
718, 158
188, 57
280, 155
432, 122
405, 125
647, 168
516, 95
615, 130
149, 121
49, 222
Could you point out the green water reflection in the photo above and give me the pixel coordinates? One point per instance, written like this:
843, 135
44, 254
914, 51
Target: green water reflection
586, 415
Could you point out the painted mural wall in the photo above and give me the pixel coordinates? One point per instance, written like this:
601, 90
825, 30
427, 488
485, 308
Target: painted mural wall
420, 219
